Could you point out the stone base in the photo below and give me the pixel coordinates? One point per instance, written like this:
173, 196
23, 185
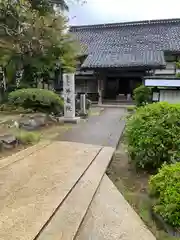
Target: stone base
71, 120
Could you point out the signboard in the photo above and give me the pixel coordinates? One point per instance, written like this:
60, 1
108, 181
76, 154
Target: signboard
162, 83
69, 95
155, 96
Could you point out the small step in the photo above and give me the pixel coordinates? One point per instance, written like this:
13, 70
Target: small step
67, 219
32, 189
110, 217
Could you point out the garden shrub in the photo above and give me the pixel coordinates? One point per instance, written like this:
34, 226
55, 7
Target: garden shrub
153, 135
131, 108
142, 95
165, 188
7, 108
37, 99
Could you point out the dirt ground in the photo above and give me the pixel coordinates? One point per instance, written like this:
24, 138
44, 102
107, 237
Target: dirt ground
134, 186
46, 133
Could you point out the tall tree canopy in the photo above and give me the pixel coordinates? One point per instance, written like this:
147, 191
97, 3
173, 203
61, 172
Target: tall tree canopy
33, 37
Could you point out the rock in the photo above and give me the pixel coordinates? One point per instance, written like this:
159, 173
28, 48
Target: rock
8, 141
61, 120
16, 124
52, 118
33, 122
29, 124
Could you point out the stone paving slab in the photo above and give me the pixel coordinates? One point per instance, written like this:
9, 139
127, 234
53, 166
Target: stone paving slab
32, 189
67, 219
110, 217
103, 130
20, 155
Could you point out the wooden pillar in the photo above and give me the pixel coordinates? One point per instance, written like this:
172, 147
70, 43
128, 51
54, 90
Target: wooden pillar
99, 92
100, 79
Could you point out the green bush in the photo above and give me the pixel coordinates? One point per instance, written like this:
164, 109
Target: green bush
142, 95
7, 108
152, 134
165, 188
37, 99
131, 108
25, 137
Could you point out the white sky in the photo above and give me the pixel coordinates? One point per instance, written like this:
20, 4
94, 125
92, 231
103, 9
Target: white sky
105, 11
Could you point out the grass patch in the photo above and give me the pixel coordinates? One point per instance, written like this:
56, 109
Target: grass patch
134, 186
25, 137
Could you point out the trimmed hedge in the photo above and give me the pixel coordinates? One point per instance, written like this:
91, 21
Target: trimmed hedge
165, 188
153, 135
36, 99
142, 95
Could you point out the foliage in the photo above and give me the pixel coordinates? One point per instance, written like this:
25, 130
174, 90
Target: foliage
142, 95
7, 108
131, 108
36, 99
178, 75
25, 137
45, 6
152, 134
32, 41
165, 187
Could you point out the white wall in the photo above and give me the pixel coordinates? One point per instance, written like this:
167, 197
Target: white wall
171, 96
170, 69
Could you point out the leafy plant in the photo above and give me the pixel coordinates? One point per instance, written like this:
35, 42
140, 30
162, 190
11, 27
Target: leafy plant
165, 187
25, 137
34, 39
36, 99
142, 95
131, 108
152, 134
7, 108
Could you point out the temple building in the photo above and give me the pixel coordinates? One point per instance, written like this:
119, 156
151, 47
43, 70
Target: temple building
118, 57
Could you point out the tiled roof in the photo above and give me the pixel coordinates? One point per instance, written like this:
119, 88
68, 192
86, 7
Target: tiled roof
128, 44
135, 59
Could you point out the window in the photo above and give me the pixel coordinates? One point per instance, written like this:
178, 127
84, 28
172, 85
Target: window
86, 85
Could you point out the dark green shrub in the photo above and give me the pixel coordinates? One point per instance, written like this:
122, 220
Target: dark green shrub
7, 108
36, 99
142, 95
153, 135
165, 188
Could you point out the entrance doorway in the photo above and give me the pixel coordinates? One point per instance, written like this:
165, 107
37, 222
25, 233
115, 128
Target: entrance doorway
118, 88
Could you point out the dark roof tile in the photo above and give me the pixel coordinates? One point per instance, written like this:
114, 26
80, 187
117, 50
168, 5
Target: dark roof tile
107, 41
132, 59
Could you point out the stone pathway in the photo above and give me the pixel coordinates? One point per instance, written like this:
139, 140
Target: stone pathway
34, 185
59, 190
103, 130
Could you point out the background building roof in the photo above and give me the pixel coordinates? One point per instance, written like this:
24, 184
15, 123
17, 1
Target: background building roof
128, 44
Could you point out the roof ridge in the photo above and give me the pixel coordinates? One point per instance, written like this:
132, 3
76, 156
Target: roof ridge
131, 23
